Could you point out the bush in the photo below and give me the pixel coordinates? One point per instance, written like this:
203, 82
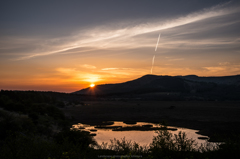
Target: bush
124, 146
165, 144
20, 146
13, 122
76, 137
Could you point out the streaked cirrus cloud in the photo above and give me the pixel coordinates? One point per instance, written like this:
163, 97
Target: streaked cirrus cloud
176, 31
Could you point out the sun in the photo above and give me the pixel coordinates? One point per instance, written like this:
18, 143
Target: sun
92, 85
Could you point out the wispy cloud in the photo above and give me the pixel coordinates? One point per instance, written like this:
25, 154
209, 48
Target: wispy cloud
179, 59
107, 74
224, 68
129, 35
105, 69
124, 72
224, 63
88, 66
76, 75
215, 69
66, 70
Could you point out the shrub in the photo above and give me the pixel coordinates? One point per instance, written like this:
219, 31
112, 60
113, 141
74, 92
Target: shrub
165, 144
76, 137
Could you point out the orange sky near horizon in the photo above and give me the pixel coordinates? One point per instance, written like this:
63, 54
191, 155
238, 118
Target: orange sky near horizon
70, 78
44, 48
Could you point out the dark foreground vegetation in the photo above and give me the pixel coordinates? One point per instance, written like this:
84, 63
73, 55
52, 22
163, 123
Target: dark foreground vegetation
33, 125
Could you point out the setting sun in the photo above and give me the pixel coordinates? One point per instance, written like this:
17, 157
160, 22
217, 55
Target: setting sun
92, 85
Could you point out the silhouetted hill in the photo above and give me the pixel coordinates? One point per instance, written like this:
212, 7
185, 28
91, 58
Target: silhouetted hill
227, 87
228, 80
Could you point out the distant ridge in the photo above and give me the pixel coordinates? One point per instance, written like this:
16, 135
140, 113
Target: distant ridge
218, 80
154, 83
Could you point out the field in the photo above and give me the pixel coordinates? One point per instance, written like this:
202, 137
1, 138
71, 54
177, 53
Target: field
216, 119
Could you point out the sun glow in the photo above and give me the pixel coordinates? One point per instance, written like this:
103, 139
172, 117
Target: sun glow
92, 85
91, 78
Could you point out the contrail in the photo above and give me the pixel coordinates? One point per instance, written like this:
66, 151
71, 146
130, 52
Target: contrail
155, 50
157, 42
152, 63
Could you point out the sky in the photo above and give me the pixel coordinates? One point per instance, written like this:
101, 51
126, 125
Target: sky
66, 45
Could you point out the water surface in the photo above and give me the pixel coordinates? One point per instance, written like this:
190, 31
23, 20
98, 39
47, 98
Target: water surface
105, 133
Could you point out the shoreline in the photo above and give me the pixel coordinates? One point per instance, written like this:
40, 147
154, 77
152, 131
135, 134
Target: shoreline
218, 120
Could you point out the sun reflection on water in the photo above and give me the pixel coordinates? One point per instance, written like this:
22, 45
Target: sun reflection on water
141, 137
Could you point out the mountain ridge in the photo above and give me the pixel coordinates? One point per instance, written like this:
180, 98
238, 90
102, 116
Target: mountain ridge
155, 83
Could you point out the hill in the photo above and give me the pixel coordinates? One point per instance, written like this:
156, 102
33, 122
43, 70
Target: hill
227, 87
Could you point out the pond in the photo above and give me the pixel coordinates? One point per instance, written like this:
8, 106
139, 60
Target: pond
140, 132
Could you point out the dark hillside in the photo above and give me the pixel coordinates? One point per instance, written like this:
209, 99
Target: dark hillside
187, 87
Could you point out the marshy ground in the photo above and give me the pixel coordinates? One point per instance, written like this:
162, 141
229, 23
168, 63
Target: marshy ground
210, 117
